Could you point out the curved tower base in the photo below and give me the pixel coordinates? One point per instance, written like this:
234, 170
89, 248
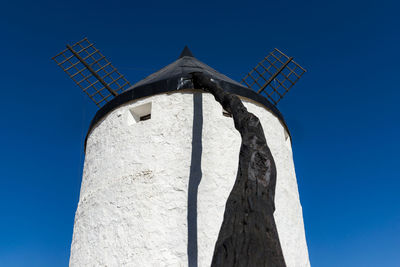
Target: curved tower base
154, 191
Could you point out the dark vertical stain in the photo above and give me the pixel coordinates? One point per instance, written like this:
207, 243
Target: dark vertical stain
248, 236
194, 179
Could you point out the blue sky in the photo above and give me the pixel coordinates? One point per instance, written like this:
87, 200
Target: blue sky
343, 114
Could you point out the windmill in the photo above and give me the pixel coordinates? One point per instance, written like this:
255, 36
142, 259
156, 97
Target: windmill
148, 197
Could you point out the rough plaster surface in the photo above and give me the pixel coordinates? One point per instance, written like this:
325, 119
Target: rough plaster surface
133, 202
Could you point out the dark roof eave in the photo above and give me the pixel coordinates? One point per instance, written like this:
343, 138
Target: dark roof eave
172, 84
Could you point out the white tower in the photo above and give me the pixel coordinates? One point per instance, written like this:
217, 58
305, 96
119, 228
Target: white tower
161, 159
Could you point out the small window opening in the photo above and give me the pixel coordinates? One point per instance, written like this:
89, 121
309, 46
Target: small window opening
145, 117
226, 113
140, 113
287, 140
286, 134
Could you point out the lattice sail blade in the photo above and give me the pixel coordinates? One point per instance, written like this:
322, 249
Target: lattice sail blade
274, 76
91, 71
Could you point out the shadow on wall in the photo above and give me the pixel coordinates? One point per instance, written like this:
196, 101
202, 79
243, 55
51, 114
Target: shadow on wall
194, 179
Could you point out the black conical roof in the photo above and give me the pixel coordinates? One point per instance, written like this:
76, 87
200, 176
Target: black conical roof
186, 52
174, 74
177, 76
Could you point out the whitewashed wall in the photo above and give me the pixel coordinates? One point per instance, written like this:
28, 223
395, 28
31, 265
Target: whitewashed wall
133, 202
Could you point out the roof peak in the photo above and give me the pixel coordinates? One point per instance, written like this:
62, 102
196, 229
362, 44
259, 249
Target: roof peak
186, 52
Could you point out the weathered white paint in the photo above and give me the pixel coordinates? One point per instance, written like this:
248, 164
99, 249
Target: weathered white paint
133, 202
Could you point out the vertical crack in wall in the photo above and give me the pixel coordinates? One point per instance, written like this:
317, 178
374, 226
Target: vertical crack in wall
194, 179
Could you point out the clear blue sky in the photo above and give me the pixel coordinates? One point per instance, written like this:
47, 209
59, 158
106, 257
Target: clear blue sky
343, 115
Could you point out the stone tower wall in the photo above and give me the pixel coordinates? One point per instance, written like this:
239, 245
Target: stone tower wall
153, 192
